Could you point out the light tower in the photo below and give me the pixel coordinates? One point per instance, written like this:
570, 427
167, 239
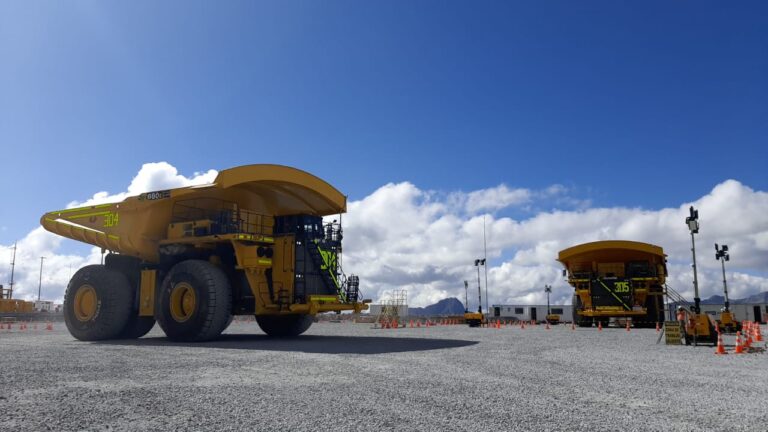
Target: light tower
478, 263
721, 254
693, 225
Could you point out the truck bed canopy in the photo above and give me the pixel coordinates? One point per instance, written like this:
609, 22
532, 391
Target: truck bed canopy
287, 190
611, 250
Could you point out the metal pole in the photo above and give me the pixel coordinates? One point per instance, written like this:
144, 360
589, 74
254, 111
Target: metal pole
466, 296
696, 299
485, 257
479, 292
13, 266
40, 284
725, 285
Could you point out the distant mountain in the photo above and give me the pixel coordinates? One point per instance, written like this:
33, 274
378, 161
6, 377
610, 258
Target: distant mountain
449, 306
715, 299
757, 298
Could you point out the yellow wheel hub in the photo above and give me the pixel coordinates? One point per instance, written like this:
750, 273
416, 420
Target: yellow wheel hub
183, 302
85, 303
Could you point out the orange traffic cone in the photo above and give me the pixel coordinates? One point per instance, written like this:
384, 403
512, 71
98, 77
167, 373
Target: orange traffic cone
522, 325
599, 326
627, 325
657, 327
573, 326
547, 325
758, 335
739, 348
49, 326
720, 347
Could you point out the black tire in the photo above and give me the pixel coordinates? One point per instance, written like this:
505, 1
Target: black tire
577, 318
211, 309
137, 326
97, 303
284, 325
226, 326
655, 313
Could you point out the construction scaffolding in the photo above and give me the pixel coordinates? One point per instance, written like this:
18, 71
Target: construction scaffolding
394, 310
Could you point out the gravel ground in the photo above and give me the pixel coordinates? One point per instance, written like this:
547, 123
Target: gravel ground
349, 377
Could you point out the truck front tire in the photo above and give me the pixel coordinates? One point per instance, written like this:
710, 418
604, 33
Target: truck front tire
97, 303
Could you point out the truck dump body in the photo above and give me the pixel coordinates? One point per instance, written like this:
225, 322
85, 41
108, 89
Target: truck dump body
259, 225
616, 278
137, 225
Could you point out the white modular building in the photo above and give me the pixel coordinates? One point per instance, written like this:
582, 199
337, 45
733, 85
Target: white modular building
531, 312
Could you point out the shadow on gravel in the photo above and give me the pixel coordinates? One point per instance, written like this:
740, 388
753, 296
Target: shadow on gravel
308, 344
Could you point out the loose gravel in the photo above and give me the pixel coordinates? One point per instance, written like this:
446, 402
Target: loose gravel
351, 377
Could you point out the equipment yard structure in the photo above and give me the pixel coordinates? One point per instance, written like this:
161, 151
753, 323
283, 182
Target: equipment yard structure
351, 377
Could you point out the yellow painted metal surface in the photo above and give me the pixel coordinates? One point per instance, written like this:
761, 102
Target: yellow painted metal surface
182, 302
16, 306
147, 292
609, 251
85, 303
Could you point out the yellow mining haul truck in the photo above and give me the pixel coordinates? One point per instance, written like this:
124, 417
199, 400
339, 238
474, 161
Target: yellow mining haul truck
253, 242
615, 278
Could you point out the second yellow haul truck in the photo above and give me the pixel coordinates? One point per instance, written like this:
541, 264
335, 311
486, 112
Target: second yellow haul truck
252, 242
616, 279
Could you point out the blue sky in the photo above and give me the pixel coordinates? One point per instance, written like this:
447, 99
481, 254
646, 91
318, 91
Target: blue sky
645, 104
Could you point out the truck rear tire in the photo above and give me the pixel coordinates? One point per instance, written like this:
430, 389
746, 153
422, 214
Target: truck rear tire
97, 303
195, 302
284, 325
577, 318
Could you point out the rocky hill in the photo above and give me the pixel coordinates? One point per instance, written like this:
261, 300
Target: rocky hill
449, 306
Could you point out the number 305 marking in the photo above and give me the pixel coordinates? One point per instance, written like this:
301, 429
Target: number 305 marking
621, 287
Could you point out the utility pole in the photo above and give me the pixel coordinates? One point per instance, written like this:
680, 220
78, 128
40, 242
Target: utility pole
40, 284
13, 266
548, 289
485, 256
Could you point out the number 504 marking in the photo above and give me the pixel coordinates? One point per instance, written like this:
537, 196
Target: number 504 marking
111, 220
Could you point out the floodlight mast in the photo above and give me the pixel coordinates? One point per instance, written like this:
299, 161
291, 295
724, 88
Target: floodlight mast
721, 254
478, 263
548, 289
693, 225
466, 296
